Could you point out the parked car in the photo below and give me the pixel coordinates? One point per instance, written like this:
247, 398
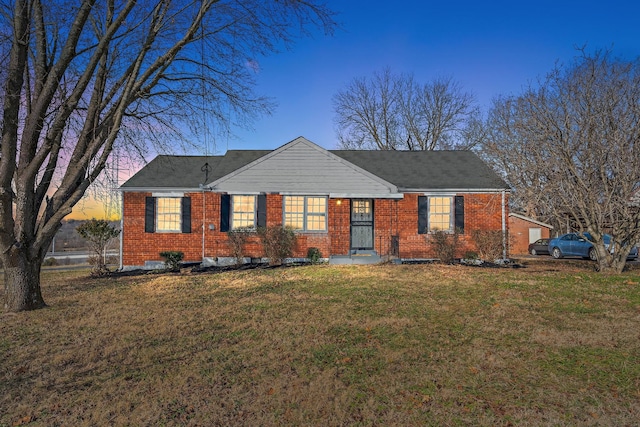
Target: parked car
574, 244
633, 253
539, 247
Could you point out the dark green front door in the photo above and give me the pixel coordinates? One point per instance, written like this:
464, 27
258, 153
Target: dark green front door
361, 224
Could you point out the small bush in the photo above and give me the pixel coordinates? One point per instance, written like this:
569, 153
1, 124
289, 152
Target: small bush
172, 259
489, 244
237, 239
98, 233
445, 245
314, 255
470, 255
277, 243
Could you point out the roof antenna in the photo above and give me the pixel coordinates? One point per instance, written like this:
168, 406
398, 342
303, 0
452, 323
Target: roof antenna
205, 169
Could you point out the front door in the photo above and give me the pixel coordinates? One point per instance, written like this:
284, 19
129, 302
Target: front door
361, 224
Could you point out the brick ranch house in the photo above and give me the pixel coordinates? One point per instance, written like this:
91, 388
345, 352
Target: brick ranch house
351, 205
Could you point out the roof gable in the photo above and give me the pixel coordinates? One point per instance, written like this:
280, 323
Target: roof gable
301, 166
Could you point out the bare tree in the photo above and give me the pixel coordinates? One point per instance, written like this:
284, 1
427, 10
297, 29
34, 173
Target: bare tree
82, 78
394, 112
569, 147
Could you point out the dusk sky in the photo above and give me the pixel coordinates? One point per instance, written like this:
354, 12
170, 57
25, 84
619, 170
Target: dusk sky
490, 48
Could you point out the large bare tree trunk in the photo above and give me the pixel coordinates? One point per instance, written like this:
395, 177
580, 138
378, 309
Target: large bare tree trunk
22, 282
77, 83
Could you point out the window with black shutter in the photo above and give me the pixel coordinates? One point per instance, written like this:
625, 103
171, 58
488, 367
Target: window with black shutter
167, 215
440, 213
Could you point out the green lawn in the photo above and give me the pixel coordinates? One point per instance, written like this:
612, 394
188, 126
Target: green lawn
320, 345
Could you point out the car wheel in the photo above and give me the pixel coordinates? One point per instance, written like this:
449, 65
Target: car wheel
593, 255
533, 252
556, 253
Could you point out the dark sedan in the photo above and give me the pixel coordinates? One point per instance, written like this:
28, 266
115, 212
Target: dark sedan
539, 247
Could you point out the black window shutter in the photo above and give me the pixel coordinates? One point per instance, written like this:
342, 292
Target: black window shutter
459, 212
262, 210
186, 214
150, 215
423, 204
225, 212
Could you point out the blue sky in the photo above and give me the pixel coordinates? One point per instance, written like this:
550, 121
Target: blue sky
491, 48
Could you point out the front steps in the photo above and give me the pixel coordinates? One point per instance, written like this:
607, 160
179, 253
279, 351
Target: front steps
356, 257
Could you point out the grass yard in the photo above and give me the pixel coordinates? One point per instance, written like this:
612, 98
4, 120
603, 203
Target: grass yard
408, 345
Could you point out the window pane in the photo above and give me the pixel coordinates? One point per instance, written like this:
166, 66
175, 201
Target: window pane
361, 206
305, 213
440, 213
168, 214
243, 212
316, 205
295, 221
316, 213
316, 223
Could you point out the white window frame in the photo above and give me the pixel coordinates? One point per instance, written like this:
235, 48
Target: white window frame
233, 221
306, 214
177, 210
451, 213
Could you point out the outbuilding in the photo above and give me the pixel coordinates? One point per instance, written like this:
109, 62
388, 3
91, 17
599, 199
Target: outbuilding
523, 231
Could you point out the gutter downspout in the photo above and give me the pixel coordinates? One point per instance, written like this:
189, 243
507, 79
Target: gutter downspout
121, 228
204, 213
504, 228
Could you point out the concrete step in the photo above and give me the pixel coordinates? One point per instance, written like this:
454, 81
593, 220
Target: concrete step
361, 257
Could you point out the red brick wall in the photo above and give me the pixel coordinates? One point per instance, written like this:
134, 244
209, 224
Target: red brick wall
391, 218
400, 217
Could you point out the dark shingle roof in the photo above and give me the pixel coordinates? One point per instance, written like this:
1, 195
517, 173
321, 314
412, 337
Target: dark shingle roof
422, 170
426, 169
185, 172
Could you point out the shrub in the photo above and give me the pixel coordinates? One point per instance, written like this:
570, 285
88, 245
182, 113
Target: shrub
470, 255
314, 255
445, 245
489, 244
237, 239
98, 232
172, 259
277, 243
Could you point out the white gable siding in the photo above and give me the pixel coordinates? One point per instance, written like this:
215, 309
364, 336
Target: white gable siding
304, 168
